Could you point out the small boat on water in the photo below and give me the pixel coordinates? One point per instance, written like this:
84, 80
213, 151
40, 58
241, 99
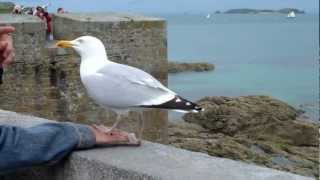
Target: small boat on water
291, 15
208, 16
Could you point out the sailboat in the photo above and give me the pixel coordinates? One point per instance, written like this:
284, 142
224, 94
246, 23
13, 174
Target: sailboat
291, 15
208, 16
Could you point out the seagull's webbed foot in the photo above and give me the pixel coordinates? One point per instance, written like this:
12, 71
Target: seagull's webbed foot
141, 126
114, 126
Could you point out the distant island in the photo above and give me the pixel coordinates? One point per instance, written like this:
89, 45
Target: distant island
6, 7
263, 11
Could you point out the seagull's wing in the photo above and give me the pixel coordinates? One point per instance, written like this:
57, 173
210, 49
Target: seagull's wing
121, 86
134, 76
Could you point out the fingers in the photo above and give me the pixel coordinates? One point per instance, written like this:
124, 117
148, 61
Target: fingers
6, 55
6, 29
9, 59
3, 45
6, 47
7, 51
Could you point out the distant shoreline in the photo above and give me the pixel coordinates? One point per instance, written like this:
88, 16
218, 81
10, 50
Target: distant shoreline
261, 11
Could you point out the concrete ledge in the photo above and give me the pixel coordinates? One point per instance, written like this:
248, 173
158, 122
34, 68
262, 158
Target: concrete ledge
150, 161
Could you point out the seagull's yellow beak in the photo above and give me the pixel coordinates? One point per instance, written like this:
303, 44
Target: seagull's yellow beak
64, 44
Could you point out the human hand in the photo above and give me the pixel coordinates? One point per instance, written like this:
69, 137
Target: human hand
105, 136
6, 45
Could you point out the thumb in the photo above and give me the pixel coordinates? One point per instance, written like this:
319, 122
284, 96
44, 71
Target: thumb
3, 45
6, 29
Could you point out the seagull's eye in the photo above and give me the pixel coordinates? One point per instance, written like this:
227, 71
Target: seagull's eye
80, 41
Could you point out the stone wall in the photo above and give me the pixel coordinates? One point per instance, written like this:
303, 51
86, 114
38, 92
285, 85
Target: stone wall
150, 161
29, 37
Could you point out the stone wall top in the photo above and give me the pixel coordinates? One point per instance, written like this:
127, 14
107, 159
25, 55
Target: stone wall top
150, 161
107, 17
18, 19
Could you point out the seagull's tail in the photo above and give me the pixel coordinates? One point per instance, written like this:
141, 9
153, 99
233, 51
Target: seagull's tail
178, 104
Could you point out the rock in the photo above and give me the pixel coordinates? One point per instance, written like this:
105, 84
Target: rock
256, 129
229, 115
175, 67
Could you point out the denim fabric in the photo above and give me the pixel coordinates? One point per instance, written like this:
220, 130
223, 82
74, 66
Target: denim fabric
45, 143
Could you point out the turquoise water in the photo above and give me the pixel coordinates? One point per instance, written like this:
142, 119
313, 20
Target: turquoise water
254, 55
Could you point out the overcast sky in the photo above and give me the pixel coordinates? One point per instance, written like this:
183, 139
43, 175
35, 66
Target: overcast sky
178, 6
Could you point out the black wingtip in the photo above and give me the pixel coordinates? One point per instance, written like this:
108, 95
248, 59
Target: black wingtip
177, 103
198, 108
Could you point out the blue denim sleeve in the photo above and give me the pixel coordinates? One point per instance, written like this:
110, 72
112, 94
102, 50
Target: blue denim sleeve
45, 143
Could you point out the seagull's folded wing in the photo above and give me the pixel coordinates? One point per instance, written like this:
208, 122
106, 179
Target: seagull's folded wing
125, 86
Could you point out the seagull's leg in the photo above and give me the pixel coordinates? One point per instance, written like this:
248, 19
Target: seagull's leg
141, 126
115, 124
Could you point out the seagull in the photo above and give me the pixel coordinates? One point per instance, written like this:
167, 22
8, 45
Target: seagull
121, 87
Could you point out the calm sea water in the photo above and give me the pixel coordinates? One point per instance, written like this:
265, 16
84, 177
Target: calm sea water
254, 55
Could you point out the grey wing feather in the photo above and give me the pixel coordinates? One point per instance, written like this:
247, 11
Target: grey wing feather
133, 75
126, 86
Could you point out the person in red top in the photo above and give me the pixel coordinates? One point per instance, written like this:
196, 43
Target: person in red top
48, 20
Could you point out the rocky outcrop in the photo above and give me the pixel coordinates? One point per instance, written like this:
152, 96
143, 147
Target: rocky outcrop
255, 129
175, 67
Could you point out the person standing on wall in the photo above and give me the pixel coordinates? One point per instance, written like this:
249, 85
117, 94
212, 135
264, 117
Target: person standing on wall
48, 20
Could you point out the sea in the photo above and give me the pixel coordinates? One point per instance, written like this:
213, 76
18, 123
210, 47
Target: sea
253, 54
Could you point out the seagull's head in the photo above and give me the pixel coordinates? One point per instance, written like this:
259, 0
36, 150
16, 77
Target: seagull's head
86, 46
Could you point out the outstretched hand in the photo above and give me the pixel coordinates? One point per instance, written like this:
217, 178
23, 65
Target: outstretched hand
6, 45
105, 136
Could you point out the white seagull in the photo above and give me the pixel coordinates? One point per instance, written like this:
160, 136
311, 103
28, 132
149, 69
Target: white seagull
121, 87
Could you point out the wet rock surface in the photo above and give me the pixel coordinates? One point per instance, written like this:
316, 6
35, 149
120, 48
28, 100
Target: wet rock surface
255, 129
175, 67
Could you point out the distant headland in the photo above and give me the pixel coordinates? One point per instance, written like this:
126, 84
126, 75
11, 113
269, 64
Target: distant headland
262, 11
6, 7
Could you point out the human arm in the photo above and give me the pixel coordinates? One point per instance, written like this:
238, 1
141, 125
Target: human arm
48, 143
45, 143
